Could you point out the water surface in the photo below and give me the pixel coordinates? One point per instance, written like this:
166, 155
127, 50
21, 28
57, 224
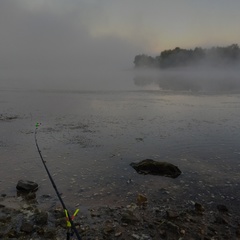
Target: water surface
89, 138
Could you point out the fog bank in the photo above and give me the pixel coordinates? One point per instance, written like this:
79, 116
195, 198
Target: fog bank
193, 79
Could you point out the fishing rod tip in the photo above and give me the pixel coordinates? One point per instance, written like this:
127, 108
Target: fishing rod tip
38, 124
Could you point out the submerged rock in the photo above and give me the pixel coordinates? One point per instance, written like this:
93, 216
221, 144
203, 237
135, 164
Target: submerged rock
149, 166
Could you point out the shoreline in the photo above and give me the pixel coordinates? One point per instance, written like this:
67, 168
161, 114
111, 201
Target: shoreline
23, 218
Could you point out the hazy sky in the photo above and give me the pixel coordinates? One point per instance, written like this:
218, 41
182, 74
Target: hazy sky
60, 38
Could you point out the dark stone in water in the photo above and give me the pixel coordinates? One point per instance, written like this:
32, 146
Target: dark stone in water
26, 186
149, 166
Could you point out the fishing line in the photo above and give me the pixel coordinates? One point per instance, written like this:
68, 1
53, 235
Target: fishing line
70, 223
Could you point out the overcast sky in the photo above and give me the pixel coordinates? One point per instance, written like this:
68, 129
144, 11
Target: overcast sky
60, 38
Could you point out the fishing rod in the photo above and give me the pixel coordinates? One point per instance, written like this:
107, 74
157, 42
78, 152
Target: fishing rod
70, 223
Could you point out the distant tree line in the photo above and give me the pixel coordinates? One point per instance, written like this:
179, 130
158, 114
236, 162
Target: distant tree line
178, 57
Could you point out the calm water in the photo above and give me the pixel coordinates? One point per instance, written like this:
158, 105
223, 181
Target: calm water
88, 140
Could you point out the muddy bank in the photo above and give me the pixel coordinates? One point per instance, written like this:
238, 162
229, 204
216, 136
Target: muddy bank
21, 217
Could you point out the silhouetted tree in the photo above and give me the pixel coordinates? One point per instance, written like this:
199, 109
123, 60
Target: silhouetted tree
144, 61
184, 57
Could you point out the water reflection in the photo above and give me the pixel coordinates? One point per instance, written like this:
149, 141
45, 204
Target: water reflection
189, 80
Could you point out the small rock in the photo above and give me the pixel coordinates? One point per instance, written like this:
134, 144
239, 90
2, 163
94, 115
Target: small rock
30, 196
26, 186
172, 214
129, 217
145, 237
95, 214
61, 222
135, 236
108, 227
183, 232
41, 218
222, 208
50, 233
163, 233
59, 213
156, 210
27, 227
132, 207
141, 200
199, 208
46, 196
26, 207
39, 230
129, 181
118, 234
141, 237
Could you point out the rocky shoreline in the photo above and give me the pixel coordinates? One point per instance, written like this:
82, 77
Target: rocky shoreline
21, 217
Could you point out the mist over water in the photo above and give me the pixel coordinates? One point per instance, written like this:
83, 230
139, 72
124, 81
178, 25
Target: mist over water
61, 46
103, 79
197, 79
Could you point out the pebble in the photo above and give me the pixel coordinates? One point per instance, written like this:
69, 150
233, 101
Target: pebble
199, 208
141, 237
27, 227
222, 208
172, 214
118, 234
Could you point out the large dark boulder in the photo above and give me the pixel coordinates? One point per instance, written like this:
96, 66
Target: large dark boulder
149, 166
